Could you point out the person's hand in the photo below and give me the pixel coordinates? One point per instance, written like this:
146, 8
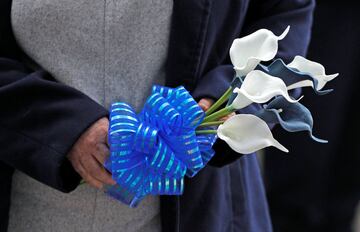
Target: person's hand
206, 103
89, 153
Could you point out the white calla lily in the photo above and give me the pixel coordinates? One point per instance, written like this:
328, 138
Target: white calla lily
259, 87
246, 133
315, 69
247, 52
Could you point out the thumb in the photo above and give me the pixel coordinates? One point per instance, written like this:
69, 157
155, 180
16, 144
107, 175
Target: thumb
205, 103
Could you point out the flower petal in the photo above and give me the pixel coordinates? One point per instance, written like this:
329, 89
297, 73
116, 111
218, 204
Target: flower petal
247, 52
315, 69
236, 83
259, 87
292, 117
246, 133
292, 77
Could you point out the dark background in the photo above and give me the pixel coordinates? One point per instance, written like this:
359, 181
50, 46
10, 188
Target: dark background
317, 186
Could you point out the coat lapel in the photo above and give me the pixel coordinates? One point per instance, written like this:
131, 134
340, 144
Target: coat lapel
187, 38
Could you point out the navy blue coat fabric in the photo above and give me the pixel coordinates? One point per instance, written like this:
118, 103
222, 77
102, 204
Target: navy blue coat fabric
37, 113
325, 197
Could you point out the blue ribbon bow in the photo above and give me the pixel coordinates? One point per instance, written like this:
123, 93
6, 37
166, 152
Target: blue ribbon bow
150, 153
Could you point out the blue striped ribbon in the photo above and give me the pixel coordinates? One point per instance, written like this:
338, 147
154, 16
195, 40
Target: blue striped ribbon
151, 152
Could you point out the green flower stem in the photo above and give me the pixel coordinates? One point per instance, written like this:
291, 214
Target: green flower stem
205, 132
220, 101
82, 182
219, 114
215, 123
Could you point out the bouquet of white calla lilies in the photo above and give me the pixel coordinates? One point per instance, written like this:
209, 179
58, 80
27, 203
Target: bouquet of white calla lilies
247, 133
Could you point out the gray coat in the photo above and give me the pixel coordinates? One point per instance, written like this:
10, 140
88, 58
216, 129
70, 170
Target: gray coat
111, 51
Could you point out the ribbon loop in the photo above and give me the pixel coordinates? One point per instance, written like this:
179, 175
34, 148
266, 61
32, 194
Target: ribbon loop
145, 138
165, 162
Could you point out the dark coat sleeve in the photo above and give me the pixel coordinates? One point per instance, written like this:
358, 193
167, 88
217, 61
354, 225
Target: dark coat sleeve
40, 119
274, 15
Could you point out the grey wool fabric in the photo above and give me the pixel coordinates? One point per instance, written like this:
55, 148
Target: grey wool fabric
112, 50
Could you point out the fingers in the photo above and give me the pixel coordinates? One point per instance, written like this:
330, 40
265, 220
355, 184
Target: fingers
101, 153
107, 140
205, 103
84, 174
96, 171
89, 154
227, 116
